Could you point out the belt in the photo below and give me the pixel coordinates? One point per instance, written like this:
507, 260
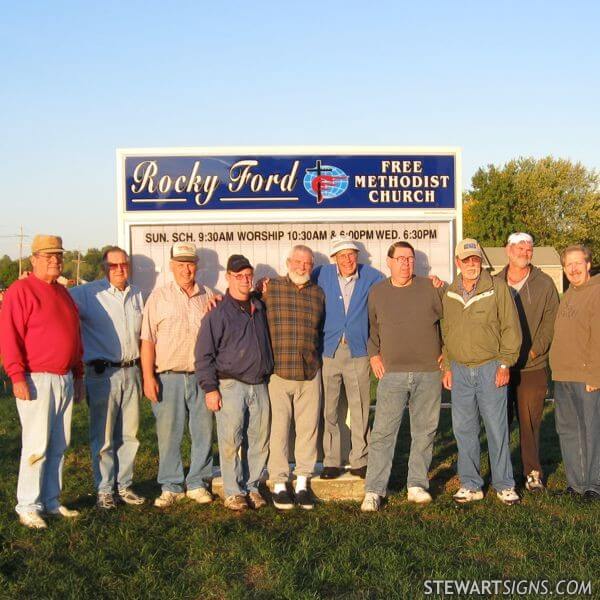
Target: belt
177, 372
101, 365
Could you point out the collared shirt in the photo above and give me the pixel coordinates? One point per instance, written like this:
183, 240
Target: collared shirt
172, 322
111, 320
295, 317
464, 293
347, 285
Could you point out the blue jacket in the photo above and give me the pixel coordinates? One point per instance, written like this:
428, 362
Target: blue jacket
355, 324
233, 345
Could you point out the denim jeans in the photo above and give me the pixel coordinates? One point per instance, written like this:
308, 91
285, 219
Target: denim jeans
242, 423
474, 393
46, 432
113, 399
578, 426
181, 397
422, 391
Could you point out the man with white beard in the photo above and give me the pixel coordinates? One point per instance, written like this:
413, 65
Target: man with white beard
295, 311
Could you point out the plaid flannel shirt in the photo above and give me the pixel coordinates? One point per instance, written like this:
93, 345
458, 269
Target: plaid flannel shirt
295, 317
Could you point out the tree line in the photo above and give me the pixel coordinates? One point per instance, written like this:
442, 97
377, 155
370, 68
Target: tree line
90, 267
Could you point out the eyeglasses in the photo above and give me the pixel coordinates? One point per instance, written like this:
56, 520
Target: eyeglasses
115, 266
241, 276
49, 257
403, 259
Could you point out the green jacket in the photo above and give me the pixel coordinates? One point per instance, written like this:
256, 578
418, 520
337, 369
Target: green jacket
483, 329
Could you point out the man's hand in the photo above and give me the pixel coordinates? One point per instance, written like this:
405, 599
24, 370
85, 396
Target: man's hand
436, 282
78, 390
591, 388
532, 354
447, 379
151, 389
502, 376
21, 390
212, 302
377, 366
440, 362
261, 285
213, 401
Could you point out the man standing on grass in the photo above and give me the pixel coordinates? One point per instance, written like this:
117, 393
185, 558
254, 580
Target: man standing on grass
41, 348
233, 364
295, 310
536, 300
404, 346
575, 363
170, 327
345, 360
482, 340
110, 310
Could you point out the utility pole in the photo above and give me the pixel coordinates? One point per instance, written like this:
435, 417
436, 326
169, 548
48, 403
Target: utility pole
20, 250
78, 263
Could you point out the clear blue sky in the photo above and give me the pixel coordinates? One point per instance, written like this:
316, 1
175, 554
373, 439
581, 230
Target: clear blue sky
80, 79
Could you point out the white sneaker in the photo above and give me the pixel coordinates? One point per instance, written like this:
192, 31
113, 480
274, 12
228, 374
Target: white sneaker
128, 496
63, 511
33, 520
200, 495
533, 483
418, 495
465, 495
371, 503
508, 496
168, 499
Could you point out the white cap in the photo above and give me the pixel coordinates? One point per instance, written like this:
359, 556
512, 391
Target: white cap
184, 252
342, 243
517, 238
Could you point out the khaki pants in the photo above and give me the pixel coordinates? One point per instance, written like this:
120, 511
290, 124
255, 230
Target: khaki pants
297, 401
354, 374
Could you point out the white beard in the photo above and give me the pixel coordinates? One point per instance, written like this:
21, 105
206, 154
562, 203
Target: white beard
298, 279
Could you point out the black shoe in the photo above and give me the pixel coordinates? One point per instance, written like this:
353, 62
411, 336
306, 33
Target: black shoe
304, 499
283, 500
571, 492
331, 472
360, 472
591, 495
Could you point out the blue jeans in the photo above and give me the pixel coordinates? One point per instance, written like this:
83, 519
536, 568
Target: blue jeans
113, 399
422, 391
181, 397
46, 424
578, 426
474, 393
242, 423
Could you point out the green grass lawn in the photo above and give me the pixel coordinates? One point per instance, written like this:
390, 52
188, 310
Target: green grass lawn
334, 551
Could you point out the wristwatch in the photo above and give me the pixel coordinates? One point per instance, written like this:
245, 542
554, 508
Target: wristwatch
503, 367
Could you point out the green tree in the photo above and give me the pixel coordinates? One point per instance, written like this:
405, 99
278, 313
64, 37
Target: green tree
555, 200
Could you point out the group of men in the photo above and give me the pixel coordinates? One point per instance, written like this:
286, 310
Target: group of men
261, 356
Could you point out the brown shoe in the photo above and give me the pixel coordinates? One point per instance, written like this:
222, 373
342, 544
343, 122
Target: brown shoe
255, 500
236, 502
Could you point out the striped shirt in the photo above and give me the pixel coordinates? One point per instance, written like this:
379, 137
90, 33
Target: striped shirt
295, 317
172, 322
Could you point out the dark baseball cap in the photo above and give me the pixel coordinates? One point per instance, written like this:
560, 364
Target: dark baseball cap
237, 263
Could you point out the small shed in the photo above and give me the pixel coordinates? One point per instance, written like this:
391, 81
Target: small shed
544, 257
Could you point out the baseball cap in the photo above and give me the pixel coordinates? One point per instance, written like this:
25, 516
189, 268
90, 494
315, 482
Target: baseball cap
468, 247
342, 243
517, 238
237, 263
184, 252
52, 244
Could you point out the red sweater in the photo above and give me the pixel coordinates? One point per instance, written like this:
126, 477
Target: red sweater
39, 330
